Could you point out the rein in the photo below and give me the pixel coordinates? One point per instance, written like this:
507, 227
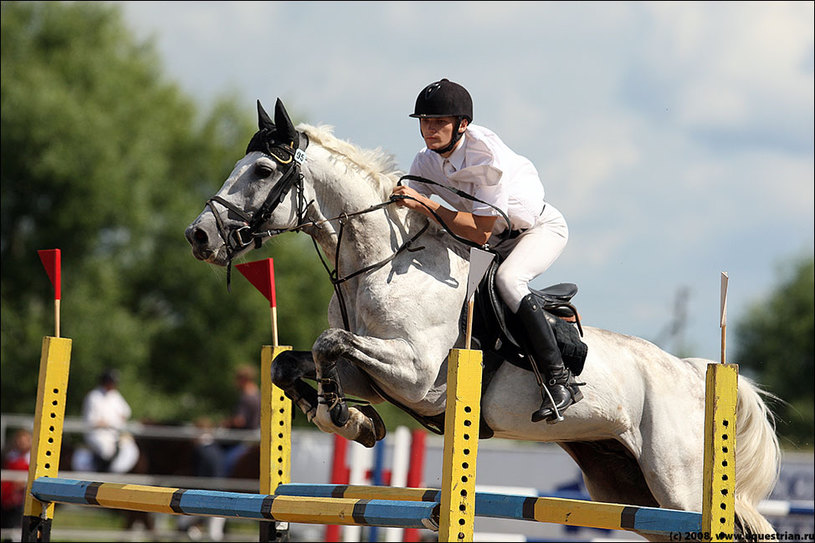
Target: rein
333, 275
504, 235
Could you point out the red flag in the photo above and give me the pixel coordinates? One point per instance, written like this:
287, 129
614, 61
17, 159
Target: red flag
52, 260
261, 275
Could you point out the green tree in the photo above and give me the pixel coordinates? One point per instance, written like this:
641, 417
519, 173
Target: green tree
775, 341
105, 159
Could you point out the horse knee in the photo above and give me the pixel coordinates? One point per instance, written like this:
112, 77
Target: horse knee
331, 345
288, 368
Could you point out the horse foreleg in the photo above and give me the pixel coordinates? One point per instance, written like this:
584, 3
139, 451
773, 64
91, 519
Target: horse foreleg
361, 424
288, 371
291, 367
361, 358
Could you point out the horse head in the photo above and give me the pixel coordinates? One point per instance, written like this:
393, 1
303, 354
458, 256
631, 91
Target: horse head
257, 200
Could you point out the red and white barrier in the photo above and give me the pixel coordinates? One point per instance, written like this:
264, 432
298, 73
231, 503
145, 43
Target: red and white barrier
353, 464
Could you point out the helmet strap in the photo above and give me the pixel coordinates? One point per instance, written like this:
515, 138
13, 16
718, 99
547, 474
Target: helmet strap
456, 136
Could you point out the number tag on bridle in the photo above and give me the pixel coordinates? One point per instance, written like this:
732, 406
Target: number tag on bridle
300, 156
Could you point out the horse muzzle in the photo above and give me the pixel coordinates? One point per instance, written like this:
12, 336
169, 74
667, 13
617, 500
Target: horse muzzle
206, 243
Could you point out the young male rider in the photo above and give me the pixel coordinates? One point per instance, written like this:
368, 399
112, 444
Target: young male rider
473, 159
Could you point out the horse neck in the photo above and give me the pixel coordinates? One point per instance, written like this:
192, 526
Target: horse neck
338, 189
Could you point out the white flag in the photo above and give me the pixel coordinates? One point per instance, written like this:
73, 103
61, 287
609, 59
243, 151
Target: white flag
723, 312
479, 264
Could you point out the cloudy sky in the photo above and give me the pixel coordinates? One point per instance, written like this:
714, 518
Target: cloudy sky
676, 138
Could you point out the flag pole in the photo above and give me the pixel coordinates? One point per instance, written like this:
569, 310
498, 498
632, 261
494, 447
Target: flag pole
56, 317
274, 326
723, 317
468, 337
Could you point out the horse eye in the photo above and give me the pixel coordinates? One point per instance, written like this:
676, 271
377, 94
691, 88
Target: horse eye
262, 171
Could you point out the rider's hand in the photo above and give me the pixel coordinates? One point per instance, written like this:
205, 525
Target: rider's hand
409, 198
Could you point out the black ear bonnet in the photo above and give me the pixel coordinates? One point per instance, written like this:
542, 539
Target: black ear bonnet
272, 137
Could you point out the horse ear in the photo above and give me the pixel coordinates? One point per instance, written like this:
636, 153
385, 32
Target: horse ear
264, 121
284, 125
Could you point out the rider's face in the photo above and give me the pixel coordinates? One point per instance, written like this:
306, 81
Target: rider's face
437, 131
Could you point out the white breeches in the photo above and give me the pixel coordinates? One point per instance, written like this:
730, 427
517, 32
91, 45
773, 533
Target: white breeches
107, 442
529, 255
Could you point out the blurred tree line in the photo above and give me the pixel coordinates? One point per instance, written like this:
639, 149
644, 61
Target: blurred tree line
106, 159
776, 343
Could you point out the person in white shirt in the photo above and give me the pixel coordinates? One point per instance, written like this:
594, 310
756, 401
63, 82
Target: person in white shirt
474, 160
106, 412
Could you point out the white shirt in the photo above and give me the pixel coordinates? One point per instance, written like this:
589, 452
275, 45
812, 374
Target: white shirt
483, 166
105, 408
105, 412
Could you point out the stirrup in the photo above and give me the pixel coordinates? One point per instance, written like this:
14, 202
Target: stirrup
556, 415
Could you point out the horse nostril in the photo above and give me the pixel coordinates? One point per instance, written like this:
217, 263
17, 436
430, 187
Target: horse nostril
200, 236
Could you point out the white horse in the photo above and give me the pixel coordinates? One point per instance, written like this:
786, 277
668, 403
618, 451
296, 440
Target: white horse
400, 284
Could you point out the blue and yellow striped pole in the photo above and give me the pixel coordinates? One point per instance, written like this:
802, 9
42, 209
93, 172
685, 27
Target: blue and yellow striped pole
177, 501
554, 509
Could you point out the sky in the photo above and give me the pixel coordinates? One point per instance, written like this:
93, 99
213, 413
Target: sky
676, 138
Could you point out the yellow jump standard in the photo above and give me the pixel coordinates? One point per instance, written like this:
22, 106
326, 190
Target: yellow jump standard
55, 361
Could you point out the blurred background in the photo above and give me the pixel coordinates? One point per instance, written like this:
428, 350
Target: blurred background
676, 138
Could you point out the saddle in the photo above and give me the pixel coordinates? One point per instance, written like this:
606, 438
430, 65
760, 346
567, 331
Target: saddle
495, 327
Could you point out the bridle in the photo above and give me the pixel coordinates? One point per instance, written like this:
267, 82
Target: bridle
287, 155
292, 157
237, 239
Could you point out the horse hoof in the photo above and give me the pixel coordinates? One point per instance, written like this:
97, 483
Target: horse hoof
379, 425
374, 428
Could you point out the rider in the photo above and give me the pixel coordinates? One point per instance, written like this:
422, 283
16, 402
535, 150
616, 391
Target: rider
473, 159
106, 413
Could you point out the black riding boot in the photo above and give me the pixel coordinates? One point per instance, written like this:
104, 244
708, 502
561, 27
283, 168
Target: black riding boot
543, 350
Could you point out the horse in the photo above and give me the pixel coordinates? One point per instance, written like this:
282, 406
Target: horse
400, 282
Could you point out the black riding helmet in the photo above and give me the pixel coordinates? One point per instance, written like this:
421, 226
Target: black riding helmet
444, 98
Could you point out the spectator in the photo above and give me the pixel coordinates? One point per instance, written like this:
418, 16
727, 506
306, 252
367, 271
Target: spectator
207, 461
106, 412
246, 415
12, 493
247, 412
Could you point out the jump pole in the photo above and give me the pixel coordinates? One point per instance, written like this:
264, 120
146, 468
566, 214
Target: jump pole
275, 408
719, 482
49, 415
461, 423
461, 428
275, 439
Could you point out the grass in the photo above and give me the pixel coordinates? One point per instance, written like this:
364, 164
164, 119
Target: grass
78, 523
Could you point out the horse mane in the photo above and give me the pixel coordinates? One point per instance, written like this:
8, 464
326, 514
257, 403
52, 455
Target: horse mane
375, 165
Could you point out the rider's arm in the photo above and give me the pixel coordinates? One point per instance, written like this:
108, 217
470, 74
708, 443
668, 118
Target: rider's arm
476, 228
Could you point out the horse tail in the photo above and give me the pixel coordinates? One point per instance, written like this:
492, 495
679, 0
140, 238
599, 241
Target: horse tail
758, 456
